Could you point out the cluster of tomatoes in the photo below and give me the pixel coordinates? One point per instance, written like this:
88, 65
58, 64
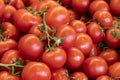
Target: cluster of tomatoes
59, 40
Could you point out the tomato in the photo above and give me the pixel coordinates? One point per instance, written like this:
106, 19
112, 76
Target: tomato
110, 55
66, 2
57, 16
23, 20
9, 30
94, 51
79, 26
98, 5
104, 18
11, 2
30, 46
8, 13
95, 66
2, 6
84, 43
4, 75
75, 58
36, 71
19, 4
78, 76
73, 14
55, 58
111, 39
80, 6
7, 44
115, 7
103, 77
59, 74
114, 70
95, 32
68, 35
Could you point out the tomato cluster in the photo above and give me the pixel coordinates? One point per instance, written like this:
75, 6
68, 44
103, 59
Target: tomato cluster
59, 40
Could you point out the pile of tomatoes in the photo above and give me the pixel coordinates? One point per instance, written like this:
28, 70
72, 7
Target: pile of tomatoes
59, 40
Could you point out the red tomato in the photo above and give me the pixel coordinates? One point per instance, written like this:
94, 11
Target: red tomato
80, 6
75, 58
66, 2
23, 20
95, 66
8, 13
30, 46
59, 74
104, 18
73, 14
36, 71
115, 7
57, 16
7, 44
103, 77
111, 39
114, 70
79, 26
78, 76
94, 51
98, 5
2, 6
84, 43
68, 34
95, 32
55, 58
4, 75
110, 55
9, 30
19, 4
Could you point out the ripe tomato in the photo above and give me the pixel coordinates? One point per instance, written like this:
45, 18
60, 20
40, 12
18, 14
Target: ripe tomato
80, 6
66, 3
55, 58
115, 7
59, 74
79, 26
98, 5
30, 46
36, 71
75, 58
103, 77
4, 75
114, 70
95, 66
8, 13
84, 43
57, 16
23, 20
104, 18
9, 30
73, 14
78, 76
68, 35
111, 39
95, 32
19, 4
110, 55
94, 51
2, 6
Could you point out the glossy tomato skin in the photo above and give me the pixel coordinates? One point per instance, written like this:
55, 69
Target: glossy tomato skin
115, 7
55, 58
68, 35
94, 51
94, 31
84, 43
59, 16
103, 77
114, 70
98, 5
95, 66
2, 6
30, 46
79, 26
9, 30
4, 75
75, 58
7, 45
59, 74
23, 20
111, 40
36, 71
78, 76
80, 6
110, 55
